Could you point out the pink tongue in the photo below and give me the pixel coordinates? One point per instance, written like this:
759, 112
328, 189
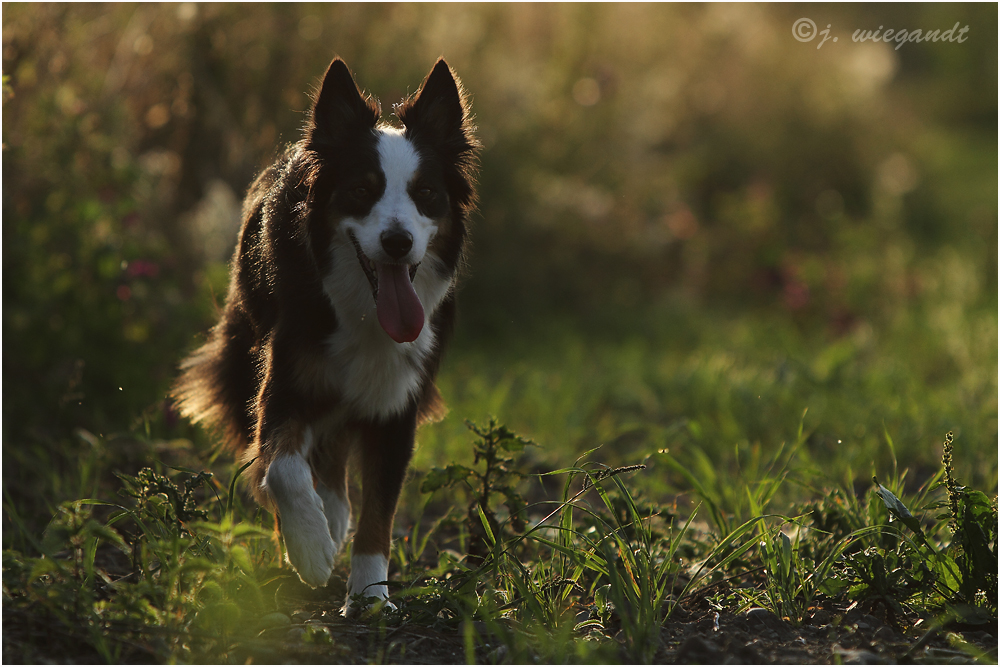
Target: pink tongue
399, 309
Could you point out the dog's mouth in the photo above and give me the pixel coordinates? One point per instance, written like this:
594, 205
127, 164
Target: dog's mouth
399, 309
371, 270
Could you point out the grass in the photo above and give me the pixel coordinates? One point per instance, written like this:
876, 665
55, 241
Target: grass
180, 569
743, 314
721, 392
693, 468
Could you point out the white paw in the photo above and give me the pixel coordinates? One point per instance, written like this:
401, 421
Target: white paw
353, 611
309, 545
367, 571
303, 524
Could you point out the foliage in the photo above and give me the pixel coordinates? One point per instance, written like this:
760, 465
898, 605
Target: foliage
966, 572
628, 578
498, 477
596, 578
698, 216
900, 572
692, 227
192, 587
974, 542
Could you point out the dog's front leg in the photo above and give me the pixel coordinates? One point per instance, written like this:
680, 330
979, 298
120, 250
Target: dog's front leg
385, 454
304, 526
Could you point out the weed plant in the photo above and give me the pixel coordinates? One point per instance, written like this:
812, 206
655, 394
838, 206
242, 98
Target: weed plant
169, 574
179, 569
699, 258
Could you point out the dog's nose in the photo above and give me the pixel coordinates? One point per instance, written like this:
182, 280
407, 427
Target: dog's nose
396, 243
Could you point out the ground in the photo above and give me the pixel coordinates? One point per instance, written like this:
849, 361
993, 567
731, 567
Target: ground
695, 634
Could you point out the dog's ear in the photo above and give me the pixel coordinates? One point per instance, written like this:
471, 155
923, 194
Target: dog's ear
340, 107
439, 110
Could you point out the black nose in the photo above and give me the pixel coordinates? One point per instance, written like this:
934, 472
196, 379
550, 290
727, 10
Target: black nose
396, 243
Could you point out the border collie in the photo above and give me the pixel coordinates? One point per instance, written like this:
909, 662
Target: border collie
341, 299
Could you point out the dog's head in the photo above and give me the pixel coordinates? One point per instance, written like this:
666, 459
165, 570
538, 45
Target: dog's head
399, 196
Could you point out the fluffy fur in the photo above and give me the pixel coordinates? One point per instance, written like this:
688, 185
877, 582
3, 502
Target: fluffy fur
341, 300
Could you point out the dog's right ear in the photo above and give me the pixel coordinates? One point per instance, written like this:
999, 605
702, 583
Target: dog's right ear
340, 107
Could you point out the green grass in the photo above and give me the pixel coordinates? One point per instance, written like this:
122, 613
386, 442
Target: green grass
589, 575
723, 392
766, 302
713, 458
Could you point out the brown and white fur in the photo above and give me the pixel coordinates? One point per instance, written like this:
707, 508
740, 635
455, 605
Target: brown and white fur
341, 300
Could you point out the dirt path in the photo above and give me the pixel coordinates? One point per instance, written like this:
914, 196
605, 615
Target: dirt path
694, 635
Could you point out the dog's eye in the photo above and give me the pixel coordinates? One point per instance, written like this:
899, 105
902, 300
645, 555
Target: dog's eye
425, 193
360, 192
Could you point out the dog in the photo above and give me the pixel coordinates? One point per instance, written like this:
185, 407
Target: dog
340, 303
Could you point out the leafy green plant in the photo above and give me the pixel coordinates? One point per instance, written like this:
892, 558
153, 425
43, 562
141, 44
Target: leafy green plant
590, 577
155, 493
906, 570
974, 537
190, 585
498, 477
528, 579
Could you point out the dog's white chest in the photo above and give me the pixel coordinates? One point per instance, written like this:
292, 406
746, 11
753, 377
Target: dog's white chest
375, 375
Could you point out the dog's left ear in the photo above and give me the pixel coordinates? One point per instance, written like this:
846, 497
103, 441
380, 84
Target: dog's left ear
439, 111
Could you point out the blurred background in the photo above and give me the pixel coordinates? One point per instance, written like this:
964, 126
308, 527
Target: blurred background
693, 227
